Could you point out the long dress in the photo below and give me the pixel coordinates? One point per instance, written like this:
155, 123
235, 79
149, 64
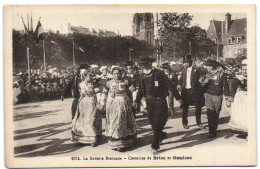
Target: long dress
238, 116
87, 123
16, 92
120, 121
102, 83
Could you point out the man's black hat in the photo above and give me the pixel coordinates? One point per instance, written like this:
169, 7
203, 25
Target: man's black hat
187, 58
166, 66
83, 66
211, 62
147, 60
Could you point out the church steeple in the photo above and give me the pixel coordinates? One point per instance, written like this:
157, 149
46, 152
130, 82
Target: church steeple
143, 27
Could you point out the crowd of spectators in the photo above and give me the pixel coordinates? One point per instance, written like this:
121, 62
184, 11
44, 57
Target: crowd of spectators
49, 84
45, 85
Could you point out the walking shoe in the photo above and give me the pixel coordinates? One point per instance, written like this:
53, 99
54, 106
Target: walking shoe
210, 135
186, 126
153, 151
73, 139
93, 144
201, 126
164, 136
121, 149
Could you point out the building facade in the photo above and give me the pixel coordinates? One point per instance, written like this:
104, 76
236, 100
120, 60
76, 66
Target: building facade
90, 31
230, 34
143, 27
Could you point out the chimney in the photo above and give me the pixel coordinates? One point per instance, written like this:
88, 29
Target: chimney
227, 22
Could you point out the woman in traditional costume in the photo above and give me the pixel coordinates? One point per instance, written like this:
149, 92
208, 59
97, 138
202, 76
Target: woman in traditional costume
102, 81
120, 121
87, 123
238, 116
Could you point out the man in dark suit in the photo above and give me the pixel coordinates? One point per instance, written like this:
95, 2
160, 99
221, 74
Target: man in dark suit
216, 85
73, 86
154, 87
192, 92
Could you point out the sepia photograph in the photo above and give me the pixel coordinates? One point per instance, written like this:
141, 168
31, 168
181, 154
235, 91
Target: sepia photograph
129, 85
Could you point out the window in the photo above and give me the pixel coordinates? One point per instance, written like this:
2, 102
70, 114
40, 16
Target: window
229, 40
235, 51
239, 39
239, 51
149, 39
214, 40
148, 18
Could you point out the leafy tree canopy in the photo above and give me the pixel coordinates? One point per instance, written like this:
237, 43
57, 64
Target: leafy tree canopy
88, 49
177, 35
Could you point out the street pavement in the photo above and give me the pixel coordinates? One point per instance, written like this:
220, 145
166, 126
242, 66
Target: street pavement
43, 129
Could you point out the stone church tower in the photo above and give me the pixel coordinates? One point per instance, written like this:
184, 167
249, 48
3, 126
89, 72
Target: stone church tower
143, 27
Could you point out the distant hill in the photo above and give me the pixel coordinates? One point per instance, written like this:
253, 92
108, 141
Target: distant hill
88, 49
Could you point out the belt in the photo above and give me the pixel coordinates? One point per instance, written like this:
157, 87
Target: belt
120, 94
117, 94
152, 97
89, 94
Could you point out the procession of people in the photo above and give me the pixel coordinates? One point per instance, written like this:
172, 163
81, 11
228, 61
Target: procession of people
119, 92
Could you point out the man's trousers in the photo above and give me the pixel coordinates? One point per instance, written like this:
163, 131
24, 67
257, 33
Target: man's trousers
213, 105
74, 106
187, 101
157, 115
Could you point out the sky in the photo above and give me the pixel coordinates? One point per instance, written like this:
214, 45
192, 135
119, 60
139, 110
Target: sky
109, 21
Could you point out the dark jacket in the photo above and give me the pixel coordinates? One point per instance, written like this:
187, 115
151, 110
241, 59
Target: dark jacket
173, 80
155, 85
217, 86
197, 89
134, 78
72, 86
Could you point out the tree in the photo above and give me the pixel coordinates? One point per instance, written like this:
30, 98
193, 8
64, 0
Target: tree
177, 35
88, 49
172, 27
200, 44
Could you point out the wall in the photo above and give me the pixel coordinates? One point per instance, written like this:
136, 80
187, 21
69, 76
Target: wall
230, 51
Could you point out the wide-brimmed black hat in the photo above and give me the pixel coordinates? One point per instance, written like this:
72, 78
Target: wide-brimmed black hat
187, 58
129, 63
211, 62
83, 66
146, 60
166, 66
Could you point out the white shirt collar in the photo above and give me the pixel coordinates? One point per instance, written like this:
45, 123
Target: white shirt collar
147, 71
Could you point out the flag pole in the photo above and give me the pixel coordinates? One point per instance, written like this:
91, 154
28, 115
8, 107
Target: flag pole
157, 39
160, 59
44, 58
31, 23
29, 69
157, 53
190, 47
25, 28
129, 54
73, 53
28, 22
217, 51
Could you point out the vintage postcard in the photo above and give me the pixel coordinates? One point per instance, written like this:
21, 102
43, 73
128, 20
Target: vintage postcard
129, 85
